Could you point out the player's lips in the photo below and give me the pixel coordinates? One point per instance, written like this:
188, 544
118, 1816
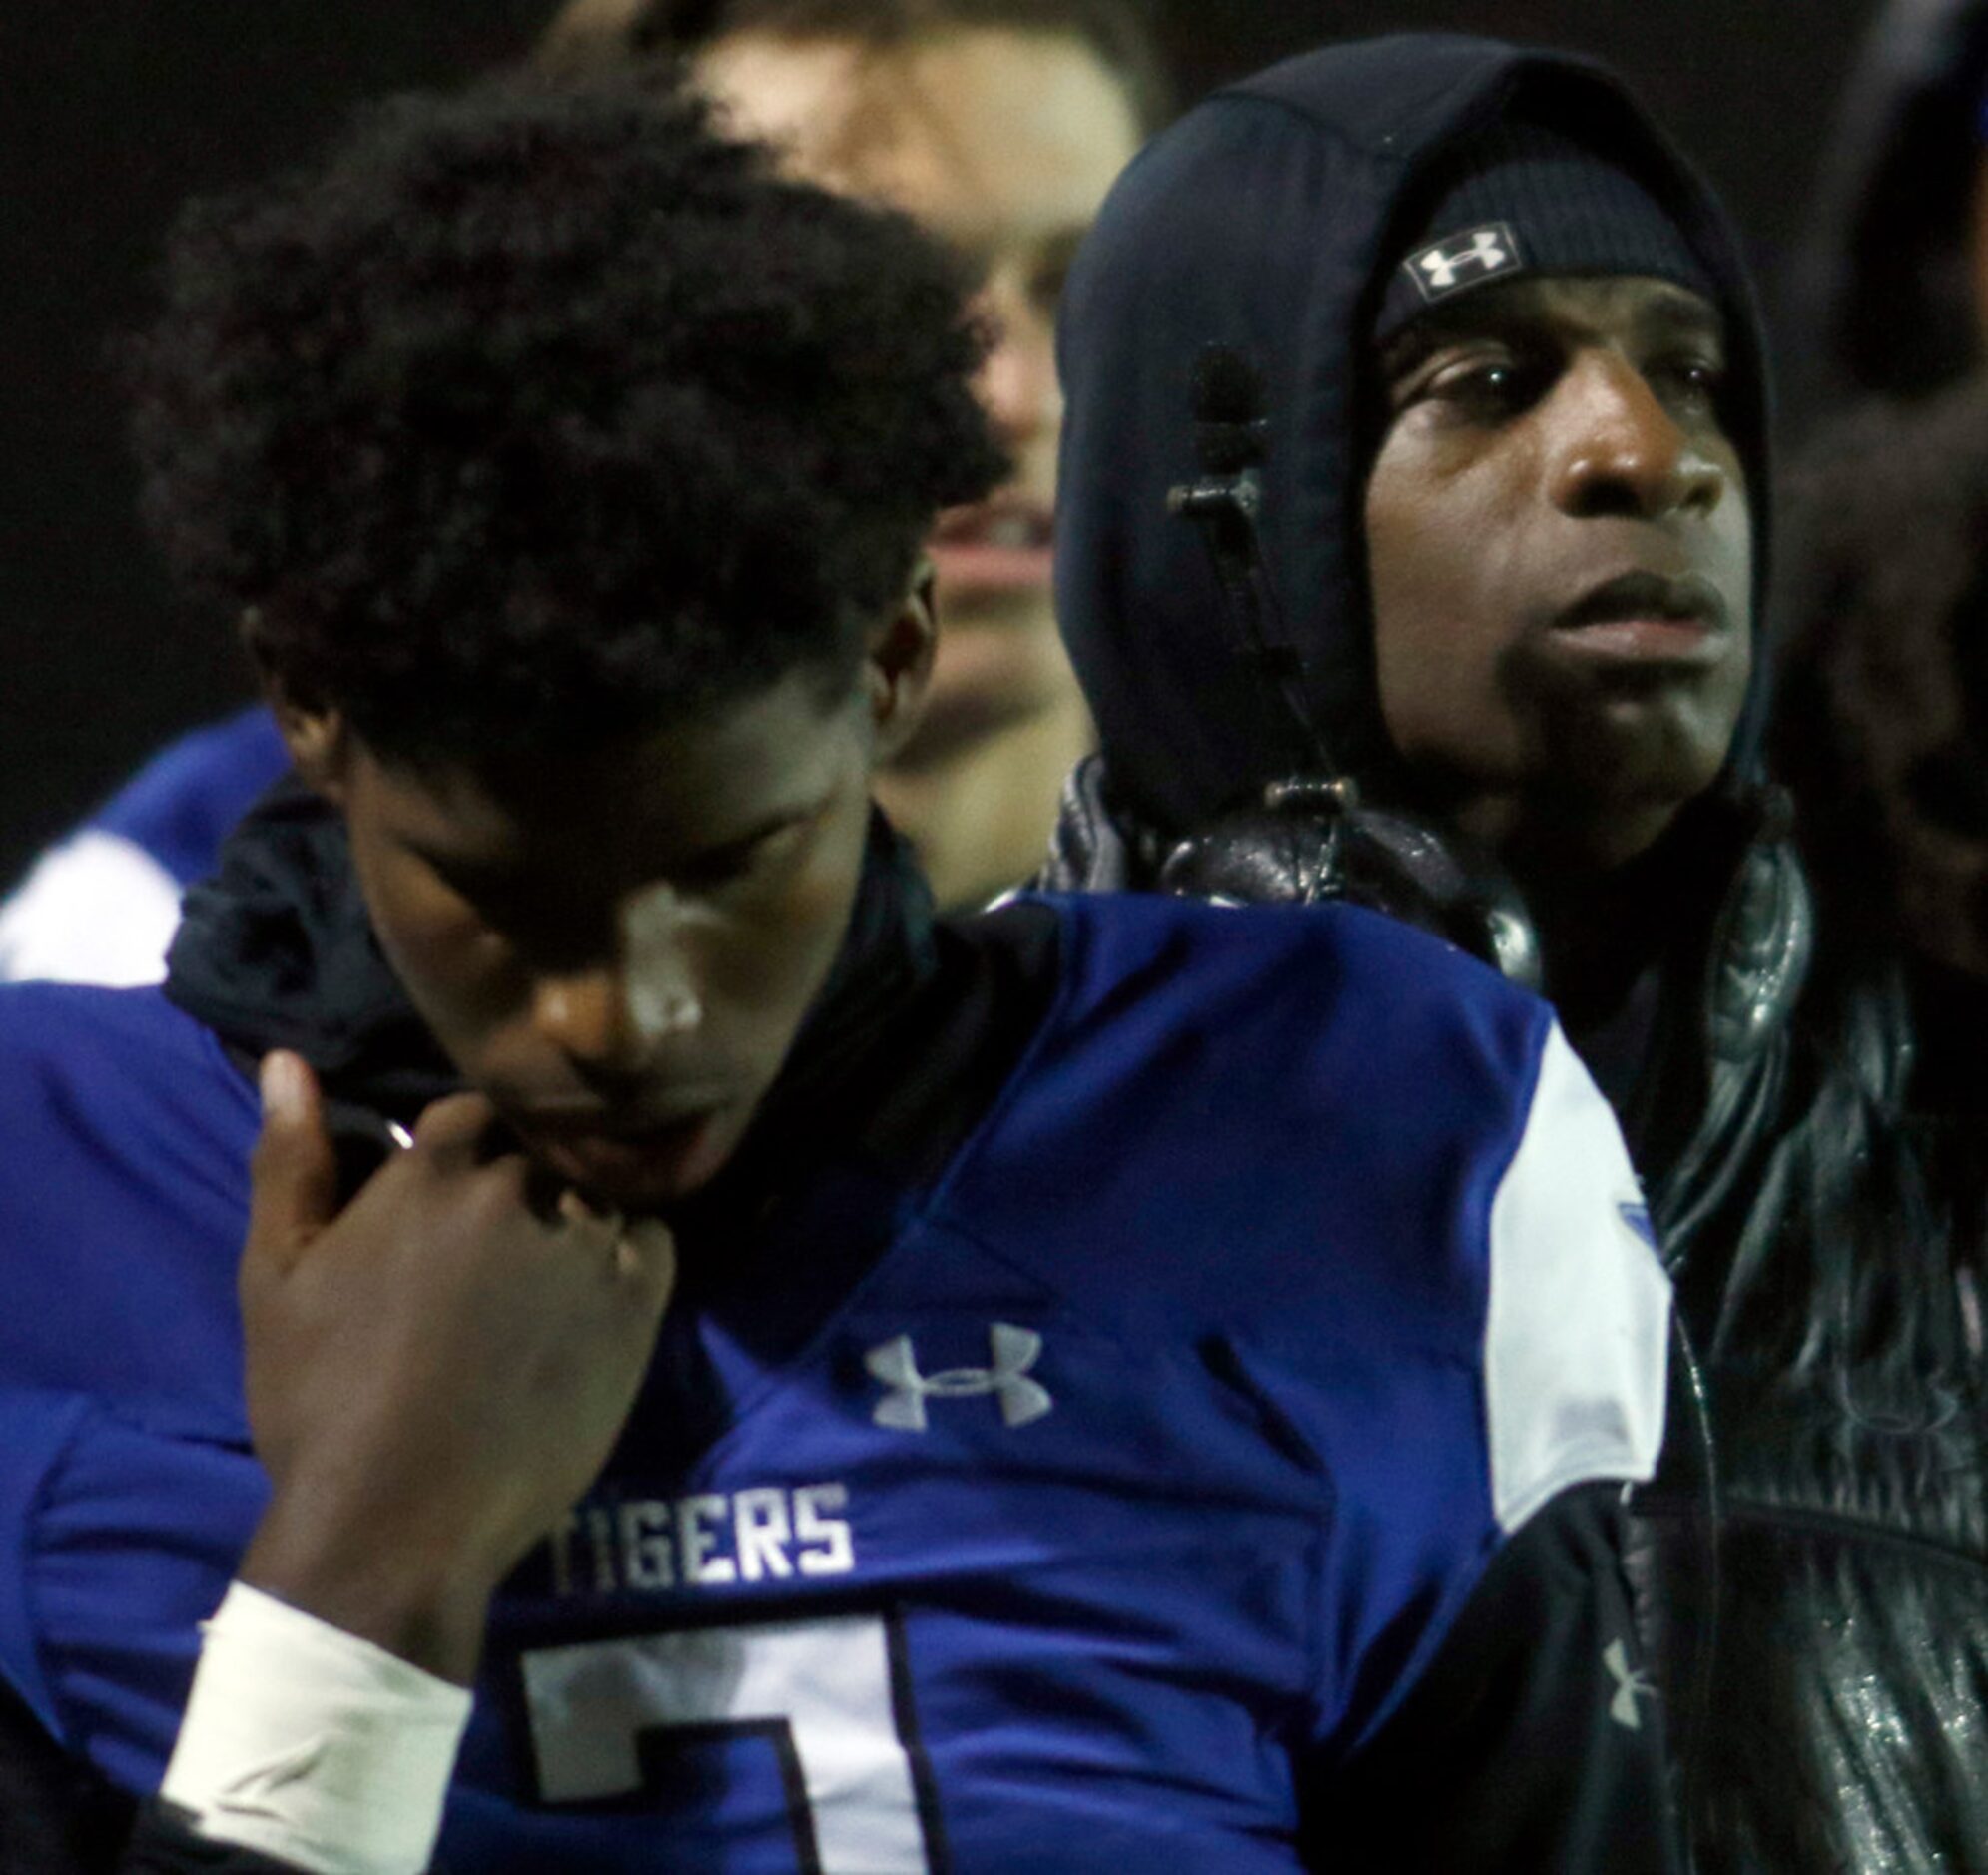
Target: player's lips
1647, 619
665, 1152
1001, 545
589, 1118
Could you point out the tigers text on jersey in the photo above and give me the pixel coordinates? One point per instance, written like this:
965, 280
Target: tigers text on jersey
1123, 1492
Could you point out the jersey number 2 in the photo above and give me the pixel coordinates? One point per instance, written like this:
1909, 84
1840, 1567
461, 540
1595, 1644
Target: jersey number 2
833, 1693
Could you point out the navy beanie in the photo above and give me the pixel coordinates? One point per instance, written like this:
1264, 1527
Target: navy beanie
1521, 199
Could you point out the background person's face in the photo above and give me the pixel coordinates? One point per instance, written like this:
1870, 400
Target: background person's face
1559, 553
1004, 144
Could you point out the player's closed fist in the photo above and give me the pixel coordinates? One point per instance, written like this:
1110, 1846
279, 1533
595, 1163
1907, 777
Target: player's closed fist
434, 1374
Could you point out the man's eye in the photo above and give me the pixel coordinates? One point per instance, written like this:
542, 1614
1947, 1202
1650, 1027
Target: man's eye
519, 917
1488, 389
711, 870
1696, 383
742, 861
497, 903
548, 928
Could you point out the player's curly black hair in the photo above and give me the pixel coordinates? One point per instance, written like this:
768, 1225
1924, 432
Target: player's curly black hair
540, 415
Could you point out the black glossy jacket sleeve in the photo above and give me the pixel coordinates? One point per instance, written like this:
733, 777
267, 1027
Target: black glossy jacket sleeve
162, 1845
58, 1817
1532, 1745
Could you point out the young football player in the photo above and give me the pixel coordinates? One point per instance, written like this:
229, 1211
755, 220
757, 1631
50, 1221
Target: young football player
845, 1391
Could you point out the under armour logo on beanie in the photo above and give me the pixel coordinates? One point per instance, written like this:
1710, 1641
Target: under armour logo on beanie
1523, 199
1455, 263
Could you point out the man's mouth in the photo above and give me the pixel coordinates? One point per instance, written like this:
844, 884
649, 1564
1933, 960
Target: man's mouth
1004, 545
1648, 619
614, 1154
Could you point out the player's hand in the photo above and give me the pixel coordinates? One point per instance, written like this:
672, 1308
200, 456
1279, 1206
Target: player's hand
435, 1375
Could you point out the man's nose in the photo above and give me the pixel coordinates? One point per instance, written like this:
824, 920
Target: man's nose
1019, 381
612, 1016
1619, 450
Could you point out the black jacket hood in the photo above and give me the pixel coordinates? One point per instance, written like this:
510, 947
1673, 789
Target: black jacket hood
1885, 301
1266, 220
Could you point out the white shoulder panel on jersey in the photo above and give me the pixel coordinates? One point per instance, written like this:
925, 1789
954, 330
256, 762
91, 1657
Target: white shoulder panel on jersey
1577, 1335
98, 908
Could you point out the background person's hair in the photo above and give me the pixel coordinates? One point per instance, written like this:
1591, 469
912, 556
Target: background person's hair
590, 36
546, 413
1881, 710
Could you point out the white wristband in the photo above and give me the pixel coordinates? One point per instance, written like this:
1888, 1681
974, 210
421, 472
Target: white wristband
307, 1743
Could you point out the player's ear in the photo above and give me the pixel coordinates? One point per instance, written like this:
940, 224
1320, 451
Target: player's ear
313, 732
898, 664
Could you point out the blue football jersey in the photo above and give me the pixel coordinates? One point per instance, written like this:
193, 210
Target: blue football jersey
1122, 1496
101, 905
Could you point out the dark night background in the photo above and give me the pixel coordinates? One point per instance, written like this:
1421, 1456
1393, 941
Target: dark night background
110, 112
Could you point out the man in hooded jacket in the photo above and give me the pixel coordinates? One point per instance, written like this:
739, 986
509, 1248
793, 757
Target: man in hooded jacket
1415, 527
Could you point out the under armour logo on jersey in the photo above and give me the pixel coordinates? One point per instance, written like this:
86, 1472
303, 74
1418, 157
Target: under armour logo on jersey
1014, 1352
1628, 1682
1463, 260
